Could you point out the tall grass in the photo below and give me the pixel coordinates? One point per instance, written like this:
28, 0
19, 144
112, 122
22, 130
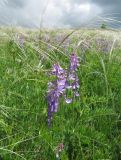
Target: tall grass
89, 128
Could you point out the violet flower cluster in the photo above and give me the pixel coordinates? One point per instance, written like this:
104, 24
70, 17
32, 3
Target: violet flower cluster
64, 81
73, 77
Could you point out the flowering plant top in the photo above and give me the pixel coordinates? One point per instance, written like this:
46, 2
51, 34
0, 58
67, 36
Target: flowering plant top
64, 80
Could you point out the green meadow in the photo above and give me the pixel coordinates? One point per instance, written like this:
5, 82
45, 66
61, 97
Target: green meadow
90, 127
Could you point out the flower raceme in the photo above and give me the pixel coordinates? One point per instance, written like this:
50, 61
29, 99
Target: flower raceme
74, 62
55, 90
63, 82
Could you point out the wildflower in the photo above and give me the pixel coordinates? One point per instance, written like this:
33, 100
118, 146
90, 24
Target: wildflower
64, 81
74, 62
73, 81
55, 90
53, 102
58, 71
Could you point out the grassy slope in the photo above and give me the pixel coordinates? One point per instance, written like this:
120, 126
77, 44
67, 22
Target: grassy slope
90, 128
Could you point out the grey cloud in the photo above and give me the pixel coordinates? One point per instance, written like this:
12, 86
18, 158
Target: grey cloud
16, 3
107, 2
107, 5
99, 2
60, 13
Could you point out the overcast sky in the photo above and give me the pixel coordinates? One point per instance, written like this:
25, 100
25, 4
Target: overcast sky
59, 13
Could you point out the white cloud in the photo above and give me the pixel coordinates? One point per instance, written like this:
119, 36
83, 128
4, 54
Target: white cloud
55, 13
63, 13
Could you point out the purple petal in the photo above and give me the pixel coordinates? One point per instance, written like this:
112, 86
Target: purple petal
71, 77
74, 63
76, 94
68, 100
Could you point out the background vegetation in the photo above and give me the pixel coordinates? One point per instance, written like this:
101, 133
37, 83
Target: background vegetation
90, 128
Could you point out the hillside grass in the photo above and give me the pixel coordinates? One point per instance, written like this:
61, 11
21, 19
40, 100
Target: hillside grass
90, 127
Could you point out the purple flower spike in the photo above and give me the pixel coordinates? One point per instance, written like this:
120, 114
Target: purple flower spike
72, 80
57, 89
74, 62
53, 102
